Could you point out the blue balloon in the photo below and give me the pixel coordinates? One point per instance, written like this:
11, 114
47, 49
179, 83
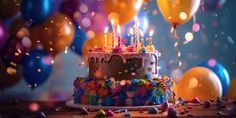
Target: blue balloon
36, 67
220, 71
143, 21
79, 39
36, 11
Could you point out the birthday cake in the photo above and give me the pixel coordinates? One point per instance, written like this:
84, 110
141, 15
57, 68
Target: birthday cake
122, 75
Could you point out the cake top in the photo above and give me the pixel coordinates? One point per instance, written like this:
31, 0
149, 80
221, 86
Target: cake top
136, 45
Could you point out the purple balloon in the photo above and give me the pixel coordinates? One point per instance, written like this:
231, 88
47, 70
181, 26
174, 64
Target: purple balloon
3, 35
212, 5
89, 14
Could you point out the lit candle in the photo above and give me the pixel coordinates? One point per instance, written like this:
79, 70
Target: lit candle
136, 32
119, 33
113, 33
105, 36
131, 32
142, 40
150, 37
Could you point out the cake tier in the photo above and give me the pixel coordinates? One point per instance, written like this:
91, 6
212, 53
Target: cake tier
135, 92
123, 66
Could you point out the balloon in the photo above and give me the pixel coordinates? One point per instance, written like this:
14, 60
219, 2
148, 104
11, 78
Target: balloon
3, 35
54, 35
36, 11
9, 8
212, 5
231, 94
69, 7
142, 19
79, 39
122, 11
9, 76
199, 82
36, 67
220, 71
90, 18
178, 12
14, 51
96, 41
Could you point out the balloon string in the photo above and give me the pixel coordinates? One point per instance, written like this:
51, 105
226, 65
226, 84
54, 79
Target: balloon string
176, 45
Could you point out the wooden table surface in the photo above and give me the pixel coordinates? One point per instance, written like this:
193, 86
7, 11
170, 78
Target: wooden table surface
59, 110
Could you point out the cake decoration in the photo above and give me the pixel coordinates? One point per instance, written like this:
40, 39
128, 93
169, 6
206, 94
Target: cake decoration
121, 75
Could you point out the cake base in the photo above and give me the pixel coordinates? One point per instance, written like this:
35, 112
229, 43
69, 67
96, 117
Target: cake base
92, 107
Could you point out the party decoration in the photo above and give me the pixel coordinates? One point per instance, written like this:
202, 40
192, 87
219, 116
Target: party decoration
36, 11
122, 11
3, 35
37, 67
79, 39
90, 18
69, 7
212, 5
178, 12
199, 82
54, 35
96, 41
220, 71
231, 94
143, 24
14, 51
9, 76
9, 8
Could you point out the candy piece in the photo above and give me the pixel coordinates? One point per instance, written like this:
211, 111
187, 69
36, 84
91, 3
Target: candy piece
153, 110
84, 111
196, 100
41, 115
100, 113
207, 104
110, 113
127, 114
172, 113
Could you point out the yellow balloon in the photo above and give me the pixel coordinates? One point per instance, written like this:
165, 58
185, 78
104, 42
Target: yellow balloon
178, 12
231, 94
122, 11
199, 82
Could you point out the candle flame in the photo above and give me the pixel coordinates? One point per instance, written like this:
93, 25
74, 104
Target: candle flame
151, 33
118, 29
106, 29
112, 21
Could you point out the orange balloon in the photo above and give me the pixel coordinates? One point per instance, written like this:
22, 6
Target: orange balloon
231, 94
122, 11
199, 82
9, 76
54, 35
9, 8
178, 12
97, 41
